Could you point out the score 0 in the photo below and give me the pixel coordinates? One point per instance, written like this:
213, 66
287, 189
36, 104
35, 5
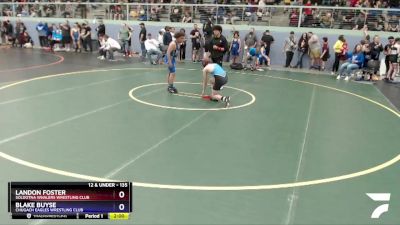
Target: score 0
121, 206
122, 195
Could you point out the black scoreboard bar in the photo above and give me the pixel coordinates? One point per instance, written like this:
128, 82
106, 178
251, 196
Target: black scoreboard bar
70, 200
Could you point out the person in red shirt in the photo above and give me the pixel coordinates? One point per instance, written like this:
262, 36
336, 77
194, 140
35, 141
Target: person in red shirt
308, 14
354, 3
308, 10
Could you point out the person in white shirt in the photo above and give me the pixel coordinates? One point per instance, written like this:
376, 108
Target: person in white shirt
153, 48
109, 46
160, 37
172, 31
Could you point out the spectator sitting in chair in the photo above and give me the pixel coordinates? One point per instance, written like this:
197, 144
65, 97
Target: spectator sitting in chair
175, 14
348, 18
393, 24
294, 18
153, 48
118, 13
187, 18
327, 21
232, 16
154, 15
252, 12
355, 61
142, 14
156, 8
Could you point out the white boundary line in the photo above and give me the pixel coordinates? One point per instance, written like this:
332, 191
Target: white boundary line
60, 91
294, 196
253, 99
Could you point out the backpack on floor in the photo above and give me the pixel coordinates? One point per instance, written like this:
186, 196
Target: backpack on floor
236, 66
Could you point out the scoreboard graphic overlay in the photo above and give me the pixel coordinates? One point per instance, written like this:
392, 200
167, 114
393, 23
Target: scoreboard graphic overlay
70, 200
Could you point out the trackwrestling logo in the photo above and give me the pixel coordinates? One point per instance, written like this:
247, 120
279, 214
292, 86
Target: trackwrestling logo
379, 197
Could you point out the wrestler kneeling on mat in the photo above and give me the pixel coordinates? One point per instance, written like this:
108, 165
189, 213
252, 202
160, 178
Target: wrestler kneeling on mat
218, 78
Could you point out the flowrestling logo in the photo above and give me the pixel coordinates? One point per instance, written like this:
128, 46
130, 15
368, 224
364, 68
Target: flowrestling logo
379, 197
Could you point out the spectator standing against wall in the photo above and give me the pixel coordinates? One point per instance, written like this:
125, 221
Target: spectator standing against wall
315, 51
263, 58
338, 50
19, 29
56, 38
142, 39
386, 51
49, 35
101, 30
229, 39
86, 36
76, 36
289, 47
130, 52
376, 49
325, 52
167, 39
66, 33
196, 37
172, 31
42, 29
250, 41
182, 48
235, 47
9, 31
218, 45
268, 39
160, 38
302, 50
123, 36
394, 52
